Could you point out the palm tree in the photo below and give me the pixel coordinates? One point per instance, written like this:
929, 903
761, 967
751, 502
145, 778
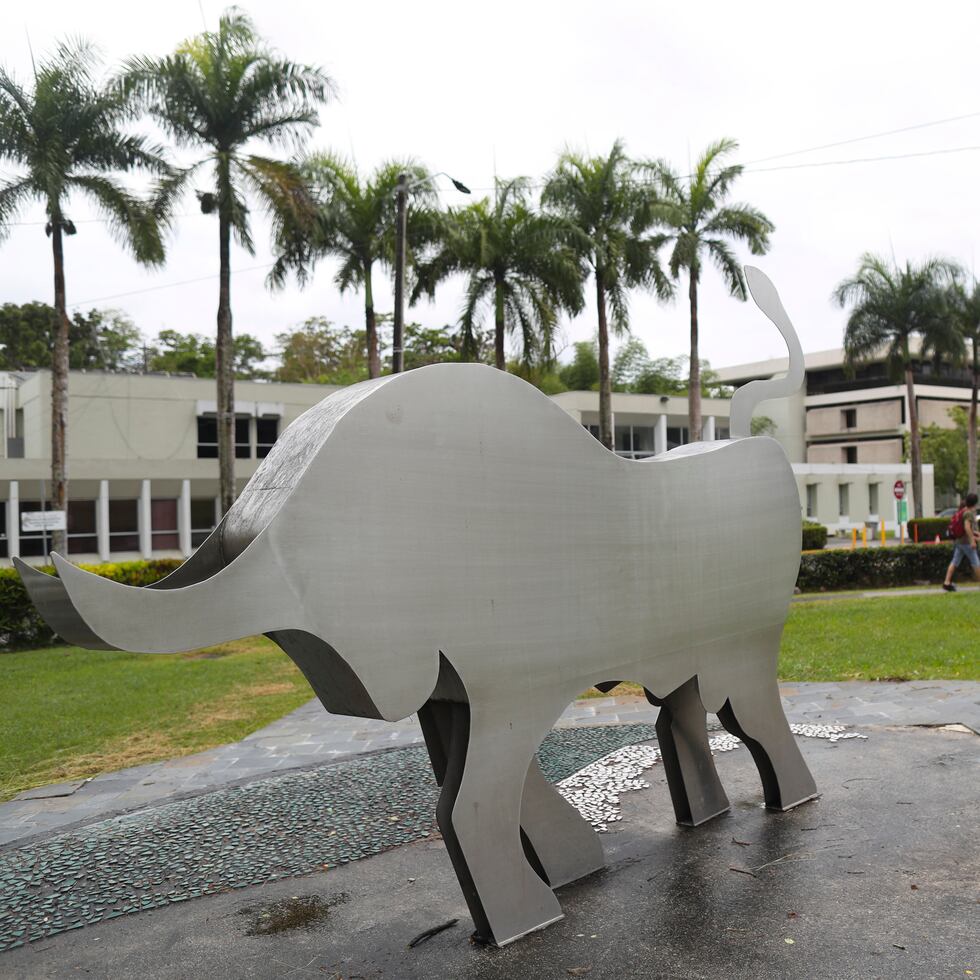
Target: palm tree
965, 306
221, 91
890, 306
66, 139
519, 266
610, 206
702, 226
355, 223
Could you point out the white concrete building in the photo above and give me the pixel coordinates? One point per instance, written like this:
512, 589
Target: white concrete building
142, 453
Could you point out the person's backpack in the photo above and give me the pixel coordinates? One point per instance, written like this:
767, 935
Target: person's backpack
956, 529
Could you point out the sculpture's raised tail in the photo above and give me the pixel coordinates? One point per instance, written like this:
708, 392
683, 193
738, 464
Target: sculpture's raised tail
748, 396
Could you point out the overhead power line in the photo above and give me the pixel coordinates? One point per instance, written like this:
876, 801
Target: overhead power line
167, 285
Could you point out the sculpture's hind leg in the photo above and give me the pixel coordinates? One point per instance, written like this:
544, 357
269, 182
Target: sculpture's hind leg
564, 843
756, 717
483, 768
695, 789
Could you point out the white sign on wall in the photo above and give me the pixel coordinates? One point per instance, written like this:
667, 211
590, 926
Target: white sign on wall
42, 520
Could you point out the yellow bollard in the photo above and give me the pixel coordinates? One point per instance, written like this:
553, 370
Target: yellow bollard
902, 533
883, 534
854, 538
864, 537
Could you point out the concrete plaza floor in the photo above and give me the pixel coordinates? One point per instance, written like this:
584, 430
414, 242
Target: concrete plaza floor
876, 878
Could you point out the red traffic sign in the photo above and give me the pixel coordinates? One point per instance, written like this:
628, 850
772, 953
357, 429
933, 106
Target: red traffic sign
899, 489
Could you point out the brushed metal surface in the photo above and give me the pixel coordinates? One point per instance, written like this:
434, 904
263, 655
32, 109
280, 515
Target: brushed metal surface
450, 540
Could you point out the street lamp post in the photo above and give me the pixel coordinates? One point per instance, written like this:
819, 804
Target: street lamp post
401, 226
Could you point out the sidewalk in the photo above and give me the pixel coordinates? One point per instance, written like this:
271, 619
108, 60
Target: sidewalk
310, 736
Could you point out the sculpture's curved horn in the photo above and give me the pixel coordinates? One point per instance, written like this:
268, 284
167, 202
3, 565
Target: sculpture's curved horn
241, 599
49, 595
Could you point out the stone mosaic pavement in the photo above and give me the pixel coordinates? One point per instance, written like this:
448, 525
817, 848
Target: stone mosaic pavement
310, 736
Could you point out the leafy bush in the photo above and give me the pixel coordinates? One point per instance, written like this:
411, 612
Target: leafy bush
814, 536
21, 625
874, 568
929, 527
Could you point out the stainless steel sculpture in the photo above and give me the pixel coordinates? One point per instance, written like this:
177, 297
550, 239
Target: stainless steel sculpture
449, 541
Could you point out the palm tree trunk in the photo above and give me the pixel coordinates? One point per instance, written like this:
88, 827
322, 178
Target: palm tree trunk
59, 390
500, 361
224, 354
971, 432
371, 326
606, 436
915, 449
694, 382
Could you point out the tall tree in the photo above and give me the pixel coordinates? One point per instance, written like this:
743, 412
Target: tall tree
610, 204
518, 265
355, 223
66, 139
702, 226
890, 307
965, 306
220, 92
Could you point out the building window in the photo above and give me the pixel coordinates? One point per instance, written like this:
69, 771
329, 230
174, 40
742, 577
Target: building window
207, 437
811, 500
202, 519
873, 499
163, 525
82, 538
124, 525
243, 444
843, 499
849, 418
850, 454
676, 436
266, 433
33, 543
721, 432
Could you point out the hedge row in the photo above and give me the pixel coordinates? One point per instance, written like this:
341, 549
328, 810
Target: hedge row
876, 568
814, 536
20, 624
928, 527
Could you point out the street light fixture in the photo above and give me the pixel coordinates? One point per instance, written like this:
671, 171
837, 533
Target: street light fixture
401, 218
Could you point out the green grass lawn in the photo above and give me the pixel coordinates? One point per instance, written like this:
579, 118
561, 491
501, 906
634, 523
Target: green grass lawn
67, 713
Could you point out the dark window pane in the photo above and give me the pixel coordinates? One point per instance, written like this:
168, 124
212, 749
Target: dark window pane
266, 433
82, 544
81, 517
207, 437
243, 448
123, 515
163, 515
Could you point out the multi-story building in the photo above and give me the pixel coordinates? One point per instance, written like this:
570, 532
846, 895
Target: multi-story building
142, 456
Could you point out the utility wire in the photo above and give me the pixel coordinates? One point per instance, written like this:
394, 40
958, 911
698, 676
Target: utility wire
167, 285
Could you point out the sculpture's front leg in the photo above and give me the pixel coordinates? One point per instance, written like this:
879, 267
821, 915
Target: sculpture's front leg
483, 772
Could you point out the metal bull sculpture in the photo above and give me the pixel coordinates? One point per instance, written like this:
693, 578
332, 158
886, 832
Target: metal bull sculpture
449, 541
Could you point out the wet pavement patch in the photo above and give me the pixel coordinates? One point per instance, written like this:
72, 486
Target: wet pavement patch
274, 828
295, 912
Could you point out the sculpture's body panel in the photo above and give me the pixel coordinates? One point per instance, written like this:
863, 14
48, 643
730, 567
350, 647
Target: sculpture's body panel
448, 541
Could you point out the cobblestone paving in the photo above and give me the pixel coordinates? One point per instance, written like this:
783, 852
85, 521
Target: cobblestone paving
273, 828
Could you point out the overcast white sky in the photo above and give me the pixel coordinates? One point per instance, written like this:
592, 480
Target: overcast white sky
477, 89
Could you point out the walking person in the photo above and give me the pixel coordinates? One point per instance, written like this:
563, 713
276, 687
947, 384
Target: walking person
962, 529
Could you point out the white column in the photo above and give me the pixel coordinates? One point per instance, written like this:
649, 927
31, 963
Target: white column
13, 520
184, 518
660, 435
709, 429
102, 521
145, 520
